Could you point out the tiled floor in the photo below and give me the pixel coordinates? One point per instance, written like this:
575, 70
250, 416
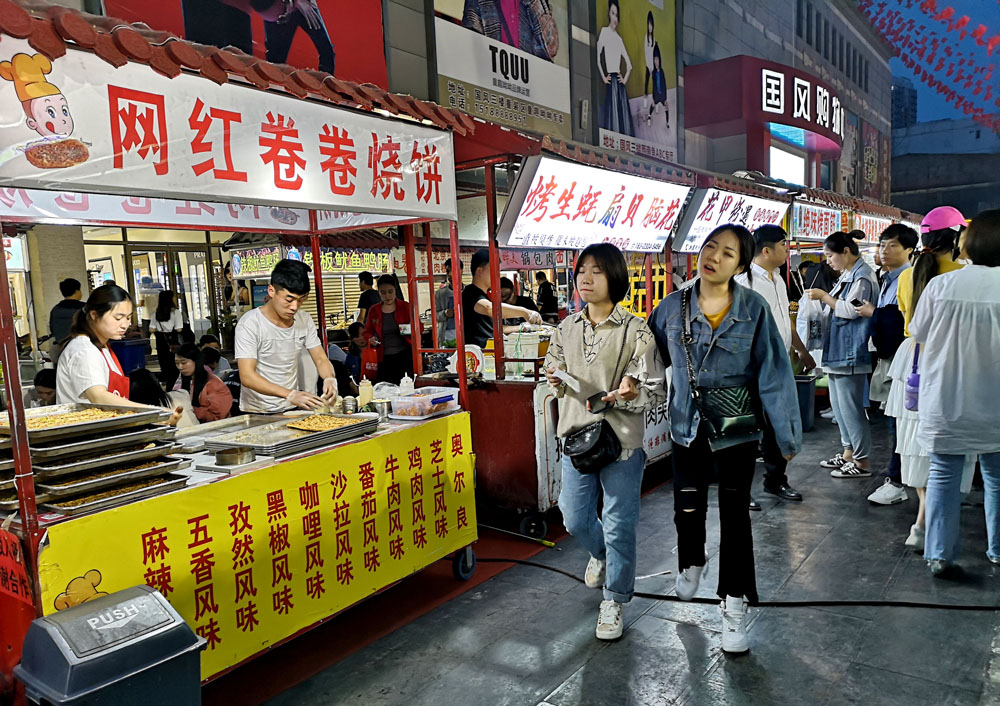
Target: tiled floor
526, 637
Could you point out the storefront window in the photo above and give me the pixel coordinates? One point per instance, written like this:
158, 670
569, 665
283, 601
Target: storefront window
105, 263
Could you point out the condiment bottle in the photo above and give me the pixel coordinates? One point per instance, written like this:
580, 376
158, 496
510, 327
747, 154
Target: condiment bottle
365, 394
406, 385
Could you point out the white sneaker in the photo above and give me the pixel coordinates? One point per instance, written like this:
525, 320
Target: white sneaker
916, 539
609, 621
835, 462
688, 580
734, 625
888, 494
849, 470
596, 571
827, 413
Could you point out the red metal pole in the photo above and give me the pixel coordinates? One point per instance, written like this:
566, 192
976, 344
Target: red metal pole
649, 286
318, 276
24, 480
456, 278
430, 278
411, 285
491, 230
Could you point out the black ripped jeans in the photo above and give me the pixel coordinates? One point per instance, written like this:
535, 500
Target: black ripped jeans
695, 468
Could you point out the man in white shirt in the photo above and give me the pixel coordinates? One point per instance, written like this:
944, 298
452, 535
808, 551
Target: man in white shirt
268, 343
766, 280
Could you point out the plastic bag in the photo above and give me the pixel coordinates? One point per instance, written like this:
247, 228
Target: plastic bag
369, 364
811, 323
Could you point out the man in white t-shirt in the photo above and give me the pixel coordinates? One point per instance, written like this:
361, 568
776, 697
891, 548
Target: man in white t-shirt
766, 280
268, 343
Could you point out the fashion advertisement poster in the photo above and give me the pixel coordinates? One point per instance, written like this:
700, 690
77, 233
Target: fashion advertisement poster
506, 61
871, 182
340, 37
849, 157
636, 65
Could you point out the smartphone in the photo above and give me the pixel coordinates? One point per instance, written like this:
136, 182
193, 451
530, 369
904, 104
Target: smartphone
595, 404
857, 302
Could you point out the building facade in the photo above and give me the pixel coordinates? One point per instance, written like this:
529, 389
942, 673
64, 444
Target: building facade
904, 103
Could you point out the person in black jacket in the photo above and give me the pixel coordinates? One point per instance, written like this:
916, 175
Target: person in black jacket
896, 246
548, 303
61, 316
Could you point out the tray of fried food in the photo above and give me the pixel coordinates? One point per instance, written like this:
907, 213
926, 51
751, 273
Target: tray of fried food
72, 486
280, 438
8, 499
85, 445
104, 459
60, 421
112, 497
324, 422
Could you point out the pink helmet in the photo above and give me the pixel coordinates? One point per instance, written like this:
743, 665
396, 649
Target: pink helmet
942, 217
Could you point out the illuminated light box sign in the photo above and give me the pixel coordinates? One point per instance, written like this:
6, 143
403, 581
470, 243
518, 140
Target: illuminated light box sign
564, 205
711, 208
814, 222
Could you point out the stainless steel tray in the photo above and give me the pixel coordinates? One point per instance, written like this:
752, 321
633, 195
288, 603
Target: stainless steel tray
104, 442
45, 472
11, 505
171, 482
6, 464
82, 488
277, 439
132, 416
6, 483
227, 426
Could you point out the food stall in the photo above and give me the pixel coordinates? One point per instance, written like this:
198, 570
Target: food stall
333, 508
629, 202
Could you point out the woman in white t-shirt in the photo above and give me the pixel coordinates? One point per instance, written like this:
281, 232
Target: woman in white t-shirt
166, 326
616, 114
88, 369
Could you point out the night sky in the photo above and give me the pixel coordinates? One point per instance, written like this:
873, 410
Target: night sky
931, 105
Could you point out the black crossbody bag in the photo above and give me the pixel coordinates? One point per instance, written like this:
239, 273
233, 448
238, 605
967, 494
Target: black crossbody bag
596, 445
727, 412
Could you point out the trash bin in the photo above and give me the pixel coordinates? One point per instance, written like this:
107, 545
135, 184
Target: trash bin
131, 353
806, 387
128, 649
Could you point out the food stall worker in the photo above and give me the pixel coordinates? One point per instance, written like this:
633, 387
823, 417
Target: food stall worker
89, 371
477, 309
392, 329
269, 340
43, 393
507, 296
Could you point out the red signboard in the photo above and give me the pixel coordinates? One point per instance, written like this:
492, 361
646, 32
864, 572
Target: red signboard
341, 37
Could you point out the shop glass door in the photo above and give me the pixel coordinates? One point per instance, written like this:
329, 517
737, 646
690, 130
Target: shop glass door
149, 270
192, 282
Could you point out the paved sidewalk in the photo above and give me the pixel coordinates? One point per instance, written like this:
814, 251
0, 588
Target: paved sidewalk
526, 637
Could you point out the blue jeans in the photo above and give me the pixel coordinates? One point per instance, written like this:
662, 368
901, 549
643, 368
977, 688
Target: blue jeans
944, 505
849, 399
613, 539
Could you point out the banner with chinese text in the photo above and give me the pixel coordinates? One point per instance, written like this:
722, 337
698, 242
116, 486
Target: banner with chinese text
637, 64
814, 222
134, 132
307, 35
506, 63
338, 261
252, 559
871, 225
532, 259
565, 205
713, 207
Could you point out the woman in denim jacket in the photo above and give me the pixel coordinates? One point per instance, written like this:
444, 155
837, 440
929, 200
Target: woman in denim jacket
735, 342
846, 357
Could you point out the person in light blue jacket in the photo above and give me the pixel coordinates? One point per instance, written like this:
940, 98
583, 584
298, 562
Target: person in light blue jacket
734, 342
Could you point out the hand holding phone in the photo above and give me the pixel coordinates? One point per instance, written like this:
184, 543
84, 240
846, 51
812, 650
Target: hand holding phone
596, 403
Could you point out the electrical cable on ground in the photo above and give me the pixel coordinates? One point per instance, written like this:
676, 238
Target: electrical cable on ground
760, 604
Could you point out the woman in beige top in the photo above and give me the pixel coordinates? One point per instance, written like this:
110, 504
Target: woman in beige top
605, 350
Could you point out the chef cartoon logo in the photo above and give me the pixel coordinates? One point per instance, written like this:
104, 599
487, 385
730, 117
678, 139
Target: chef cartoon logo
47, 113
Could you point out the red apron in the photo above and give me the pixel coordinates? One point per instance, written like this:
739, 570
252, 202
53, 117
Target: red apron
118, 384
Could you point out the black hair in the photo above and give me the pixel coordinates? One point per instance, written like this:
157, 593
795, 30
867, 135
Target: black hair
982, 242
447, 266
46, 377
656, 53
206, 339
540, 276
479, 258
649, 21
165, 305
355, 329
101, 301
841, 242
69, 286
210, 356
747, 248
144, 388
926, 266
505, 283
767, 236
387, 279
906, 236
366, 278
612, 263
292, 276
200, 377
614, 4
